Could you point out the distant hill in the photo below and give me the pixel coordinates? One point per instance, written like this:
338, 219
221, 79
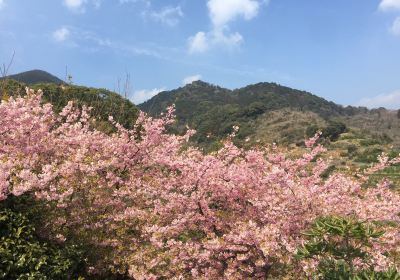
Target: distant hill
213, 110
201, 96
35, 77
265, 112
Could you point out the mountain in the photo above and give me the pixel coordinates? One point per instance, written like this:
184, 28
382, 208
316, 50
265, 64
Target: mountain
35, 77
269, 96
213, 110
265, 112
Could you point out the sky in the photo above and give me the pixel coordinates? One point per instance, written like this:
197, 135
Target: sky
347, 51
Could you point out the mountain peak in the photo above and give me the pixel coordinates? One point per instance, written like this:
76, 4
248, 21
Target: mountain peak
35, 76
200, 84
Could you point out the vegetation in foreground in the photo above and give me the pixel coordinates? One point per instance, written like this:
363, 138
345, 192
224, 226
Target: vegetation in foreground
150, 207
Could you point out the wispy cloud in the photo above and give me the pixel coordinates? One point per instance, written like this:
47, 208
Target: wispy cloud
199, 43
147, 2
135, 50
388, 5
389, 101
392, 5
74, 5
142, 95
395, 28
191, 79
89, 41
2, 2
168, 15
61, 34
221, 14
80, 5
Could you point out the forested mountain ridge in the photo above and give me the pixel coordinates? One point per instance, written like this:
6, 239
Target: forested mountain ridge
273, 96
262, 112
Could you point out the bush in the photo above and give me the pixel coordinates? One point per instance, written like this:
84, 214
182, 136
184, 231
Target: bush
333, 130
24, 256
368, 155
352, 150
344, 250
311, 130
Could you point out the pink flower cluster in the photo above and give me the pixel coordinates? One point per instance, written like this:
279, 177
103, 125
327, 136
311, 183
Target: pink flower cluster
162, 209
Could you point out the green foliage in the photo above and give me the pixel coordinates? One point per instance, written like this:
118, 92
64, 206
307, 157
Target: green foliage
368, 155
311, 130
24, 256
352, 150
338, 243
333, 130
369, 142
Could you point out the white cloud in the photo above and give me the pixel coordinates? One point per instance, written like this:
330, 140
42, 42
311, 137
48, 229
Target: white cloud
230, 40
202, 42
1, 4
222, 13
191, 79
74, 4
168, 15
395, 28
387, 5
198, 43
389, 101
61, 34
79, 5
140, 96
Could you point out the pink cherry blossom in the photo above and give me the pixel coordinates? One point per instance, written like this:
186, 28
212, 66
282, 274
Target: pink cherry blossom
158, 208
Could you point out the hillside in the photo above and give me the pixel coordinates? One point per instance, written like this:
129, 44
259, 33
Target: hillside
35, 77
213, 110
104, 103
200, 96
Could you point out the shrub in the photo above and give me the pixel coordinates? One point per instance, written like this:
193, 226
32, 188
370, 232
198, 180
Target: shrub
333, 130
342, 248
24, 256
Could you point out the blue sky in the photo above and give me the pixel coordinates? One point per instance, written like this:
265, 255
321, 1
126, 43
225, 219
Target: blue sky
347, 51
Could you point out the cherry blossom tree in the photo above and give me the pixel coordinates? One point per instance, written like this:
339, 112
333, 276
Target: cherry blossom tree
156, 208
